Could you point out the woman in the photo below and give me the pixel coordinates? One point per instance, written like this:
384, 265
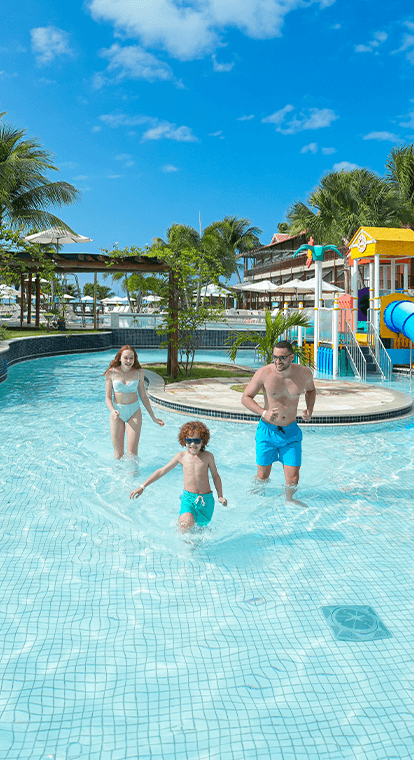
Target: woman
124, 381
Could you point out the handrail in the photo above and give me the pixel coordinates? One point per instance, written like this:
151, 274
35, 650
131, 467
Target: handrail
379, 352
357, 358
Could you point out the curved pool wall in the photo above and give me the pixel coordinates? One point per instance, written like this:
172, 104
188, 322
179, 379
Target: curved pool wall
37, 346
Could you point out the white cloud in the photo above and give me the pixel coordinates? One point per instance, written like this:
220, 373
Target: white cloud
122, 120
278, 116
96, 129
126, 159
81, 177
216, 134
381, 136
132, 62
328, 151
158, 129
346, 166
370, 47
363, 49
193, 29
169, 168
48, 43
410, 123
167, 131
114, 176
311, 148
221, 66
246, 118
313, 118
407, 47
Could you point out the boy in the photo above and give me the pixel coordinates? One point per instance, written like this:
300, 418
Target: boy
197, 502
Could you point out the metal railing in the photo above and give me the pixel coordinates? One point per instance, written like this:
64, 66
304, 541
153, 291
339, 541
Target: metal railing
356, 357
379, 352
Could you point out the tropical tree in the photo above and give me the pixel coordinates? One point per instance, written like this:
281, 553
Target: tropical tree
239, 237
198, 258
400, 176
193, 261
274, 330
344, 201
25, 190
102, 291
138, 285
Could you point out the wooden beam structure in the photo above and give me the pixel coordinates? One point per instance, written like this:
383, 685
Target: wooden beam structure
69, 263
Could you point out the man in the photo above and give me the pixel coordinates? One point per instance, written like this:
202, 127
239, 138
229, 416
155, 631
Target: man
278, 436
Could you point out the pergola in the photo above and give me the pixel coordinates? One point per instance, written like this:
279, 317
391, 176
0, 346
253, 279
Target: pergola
70, 263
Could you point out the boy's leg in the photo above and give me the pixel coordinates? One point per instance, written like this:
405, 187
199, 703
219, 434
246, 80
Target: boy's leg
186, 521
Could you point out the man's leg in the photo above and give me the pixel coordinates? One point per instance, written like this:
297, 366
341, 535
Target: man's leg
263, 472
291, 475
291, 479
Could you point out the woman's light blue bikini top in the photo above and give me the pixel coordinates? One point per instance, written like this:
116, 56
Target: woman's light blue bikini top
120, 387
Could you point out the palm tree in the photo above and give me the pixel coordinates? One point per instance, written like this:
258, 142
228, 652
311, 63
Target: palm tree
274, 331
25, 190
400, 176
344, 201
206, 253
238, 236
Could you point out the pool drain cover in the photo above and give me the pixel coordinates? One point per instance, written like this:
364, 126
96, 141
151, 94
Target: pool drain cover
355, 623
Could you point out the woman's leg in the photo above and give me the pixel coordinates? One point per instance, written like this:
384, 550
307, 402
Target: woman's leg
117, 434
133, 428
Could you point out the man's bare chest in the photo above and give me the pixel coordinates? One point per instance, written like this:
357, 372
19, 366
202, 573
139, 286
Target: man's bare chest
283, 388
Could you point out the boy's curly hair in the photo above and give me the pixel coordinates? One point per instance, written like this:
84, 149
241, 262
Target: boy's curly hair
194, 429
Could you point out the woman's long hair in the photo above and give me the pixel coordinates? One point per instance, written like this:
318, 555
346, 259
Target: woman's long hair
117, 361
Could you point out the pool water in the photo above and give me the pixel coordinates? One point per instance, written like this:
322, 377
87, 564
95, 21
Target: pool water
281, 631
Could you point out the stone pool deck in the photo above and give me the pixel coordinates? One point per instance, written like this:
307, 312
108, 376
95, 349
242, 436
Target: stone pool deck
338, 402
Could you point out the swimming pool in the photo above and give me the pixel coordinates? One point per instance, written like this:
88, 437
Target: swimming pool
122, 639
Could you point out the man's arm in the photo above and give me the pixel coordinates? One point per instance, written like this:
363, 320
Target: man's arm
310, 395
252, 389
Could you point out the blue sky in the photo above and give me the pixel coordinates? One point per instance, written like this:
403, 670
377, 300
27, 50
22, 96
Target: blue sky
158, 110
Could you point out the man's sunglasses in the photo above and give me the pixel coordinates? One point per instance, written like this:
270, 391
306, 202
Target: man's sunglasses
281, 358
192, 440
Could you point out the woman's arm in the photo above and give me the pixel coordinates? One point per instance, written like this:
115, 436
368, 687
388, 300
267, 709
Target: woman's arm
108, 395
156, 475
216, 479
144, 398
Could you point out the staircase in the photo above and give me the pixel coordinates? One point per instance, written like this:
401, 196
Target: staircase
372, 367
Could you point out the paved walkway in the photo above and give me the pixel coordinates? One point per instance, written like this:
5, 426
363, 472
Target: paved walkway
339, 402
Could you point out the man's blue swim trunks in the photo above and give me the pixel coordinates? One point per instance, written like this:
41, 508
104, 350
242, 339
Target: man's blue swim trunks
201, 506
278, 444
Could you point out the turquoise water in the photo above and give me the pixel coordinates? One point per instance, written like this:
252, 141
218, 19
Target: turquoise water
282, 631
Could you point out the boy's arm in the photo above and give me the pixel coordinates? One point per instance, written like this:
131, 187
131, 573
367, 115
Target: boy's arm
216, 479
156, 475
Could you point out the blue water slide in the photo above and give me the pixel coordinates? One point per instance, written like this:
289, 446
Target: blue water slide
399, 317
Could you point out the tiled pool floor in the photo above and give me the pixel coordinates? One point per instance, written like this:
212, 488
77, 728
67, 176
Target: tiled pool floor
121, 639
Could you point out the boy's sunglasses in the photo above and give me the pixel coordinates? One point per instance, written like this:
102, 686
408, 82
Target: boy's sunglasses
192, 440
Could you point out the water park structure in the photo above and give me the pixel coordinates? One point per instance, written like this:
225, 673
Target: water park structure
371, 329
